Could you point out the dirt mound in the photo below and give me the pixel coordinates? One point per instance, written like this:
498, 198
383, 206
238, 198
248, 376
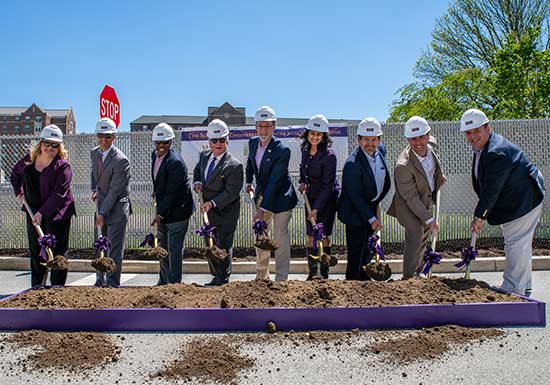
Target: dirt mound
266, 294
207, 359
66, 351
103, 264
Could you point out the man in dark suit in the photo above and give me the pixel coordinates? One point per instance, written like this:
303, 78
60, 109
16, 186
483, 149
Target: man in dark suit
110, 183
365, 182
174, 202
510, 190
275, 197
218, 176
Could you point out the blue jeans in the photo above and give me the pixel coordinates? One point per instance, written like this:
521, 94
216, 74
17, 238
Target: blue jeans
171, 237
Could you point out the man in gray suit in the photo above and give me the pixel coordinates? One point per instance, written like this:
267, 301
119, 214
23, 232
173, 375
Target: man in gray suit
110, 182
418, 177
218, 176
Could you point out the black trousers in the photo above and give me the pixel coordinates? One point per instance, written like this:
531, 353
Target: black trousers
358, 256
39, 272
221, 270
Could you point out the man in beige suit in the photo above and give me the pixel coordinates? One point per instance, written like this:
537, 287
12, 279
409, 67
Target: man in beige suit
418, 177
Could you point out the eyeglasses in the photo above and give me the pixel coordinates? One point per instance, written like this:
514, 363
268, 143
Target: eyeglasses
49, 144
106, 136
220, 140
162, 142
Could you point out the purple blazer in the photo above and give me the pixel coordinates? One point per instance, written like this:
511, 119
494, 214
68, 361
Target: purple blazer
318, 172
55, 188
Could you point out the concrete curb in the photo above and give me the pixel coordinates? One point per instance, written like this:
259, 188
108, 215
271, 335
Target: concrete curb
249, 267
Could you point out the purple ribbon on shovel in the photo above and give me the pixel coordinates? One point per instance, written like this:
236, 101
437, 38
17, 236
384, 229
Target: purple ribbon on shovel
207, 231
260, 228
318, 233
149, 240
430, 258
469, 254
102, 244
373, 247
47, 240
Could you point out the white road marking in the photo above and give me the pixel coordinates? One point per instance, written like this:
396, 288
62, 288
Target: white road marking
89, 280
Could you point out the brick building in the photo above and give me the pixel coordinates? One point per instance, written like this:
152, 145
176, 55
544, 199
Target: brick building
31, 120
233, 116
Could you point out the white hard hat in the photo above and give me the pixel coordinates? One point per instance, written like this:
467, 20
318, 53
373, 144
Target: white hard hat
416, 126
317, 123
217, 129
369, 127
473, 118
163, 132
265, 114
52, 133
105, 126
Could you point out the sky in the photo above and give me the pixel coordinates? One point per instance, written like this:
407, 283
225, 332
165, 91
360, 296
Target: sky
343, 59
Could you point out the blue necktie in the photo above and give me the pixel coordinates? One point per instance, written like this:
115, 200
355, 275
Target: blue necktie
210, 168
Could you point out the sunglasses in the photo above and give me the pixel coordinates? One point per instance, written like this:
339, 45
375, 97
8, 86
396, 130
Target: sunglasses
106, 136
220, 140
49, 144
162, 142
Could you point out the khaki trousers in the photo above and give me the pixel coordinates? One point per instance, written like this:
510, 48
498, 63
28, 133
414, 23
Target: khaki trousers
282, 254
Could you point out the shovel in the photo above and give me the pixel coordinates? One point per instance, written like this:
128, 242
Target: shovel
432, 256
102, 264
377, 270
152, 240
58, 262
212, 252
323, 257
469, 254
260, 230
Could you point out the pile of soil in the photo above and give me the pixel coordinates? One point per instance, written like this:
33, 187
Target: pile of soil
207, 359
266, 244
58, 262
265, 294
214, 253
66, 351
155, 253
429, 343
103, 264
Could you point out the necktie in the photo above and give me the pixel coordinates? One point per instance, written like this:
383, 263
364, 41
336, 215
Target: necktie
99, 162
210, 168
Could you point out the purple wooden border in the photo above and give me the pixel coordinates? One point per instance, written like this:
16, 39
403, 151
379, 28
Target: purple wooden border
531, 313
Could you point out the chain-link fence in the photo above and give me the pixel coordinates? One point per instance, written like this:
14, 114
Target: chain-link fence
457, 201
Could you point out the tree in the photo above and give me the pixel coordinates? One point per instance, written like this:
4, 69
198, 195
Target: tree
471, 32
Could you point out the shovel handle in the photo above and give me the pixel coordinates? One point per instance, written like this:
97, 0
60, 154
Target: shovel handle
205, 220
473, 244
155, 234
37, 227
308, 208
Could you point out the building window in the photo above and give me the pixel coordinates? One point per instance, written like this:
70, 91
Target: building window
17, 118
16, 128
38, 119
27, 118
27, 127
145, 127
5, 118
5, 128
37, 126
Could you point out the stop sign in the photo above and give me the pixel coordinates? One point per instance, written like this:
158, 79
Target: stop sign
109, 106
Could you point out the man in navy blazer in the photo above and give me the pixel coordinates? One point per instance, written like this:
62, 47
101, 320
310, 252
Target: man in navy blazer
275, 197
365, 182
510, 190
174, 202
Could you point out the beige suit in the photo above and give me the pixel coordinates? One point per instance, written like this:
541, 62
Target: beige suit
412, 205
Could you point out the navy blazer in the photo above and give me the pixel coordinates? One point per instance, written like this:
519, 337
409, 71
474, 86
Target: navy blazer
272, 179
318, 172
508, 185
172, 189
355, 206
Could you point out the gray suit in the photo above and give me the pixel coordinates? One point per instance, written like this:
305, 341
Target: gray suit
112, 185
223, 187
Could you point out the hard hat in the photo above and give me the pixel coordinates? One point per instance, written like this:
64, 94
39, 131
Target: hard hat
369, 127
52, 133
265, 114
473, 118
416, 126
317, 123
163, 132
217, 129
105, 126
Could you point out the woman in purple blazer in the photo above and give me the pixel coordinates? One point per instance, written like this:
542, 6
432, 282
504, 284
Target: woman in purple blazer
318, 180
43, 178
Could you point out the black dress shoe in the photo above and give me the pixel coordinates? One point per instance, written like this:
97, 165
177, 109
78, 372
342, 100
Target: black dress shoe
213, 282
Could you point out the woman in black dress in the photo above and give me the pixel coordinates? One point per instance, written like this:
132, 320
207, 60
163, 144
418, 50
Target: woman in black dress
318, 180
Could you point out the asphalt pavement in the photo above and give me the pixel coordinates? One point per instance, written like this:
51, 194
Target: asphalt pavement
521, 357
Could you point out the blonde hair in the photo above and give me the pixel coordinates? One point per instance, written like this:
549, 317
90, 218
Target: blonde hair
37, 150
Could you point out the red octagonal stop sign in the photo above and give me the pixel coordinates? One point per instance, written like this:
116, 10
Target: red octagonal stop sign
109, 106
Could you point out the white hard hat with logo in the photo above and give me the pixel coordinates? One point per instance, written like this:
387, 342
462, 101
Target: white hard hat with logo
52, 133
317, 123
217, 129
369, 127
416, 126
265, 114
105, 126
473, 118
163, 132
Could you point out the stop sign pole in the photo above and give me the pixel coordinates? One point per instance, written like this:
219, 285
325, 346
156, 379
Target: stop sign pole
109, 106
